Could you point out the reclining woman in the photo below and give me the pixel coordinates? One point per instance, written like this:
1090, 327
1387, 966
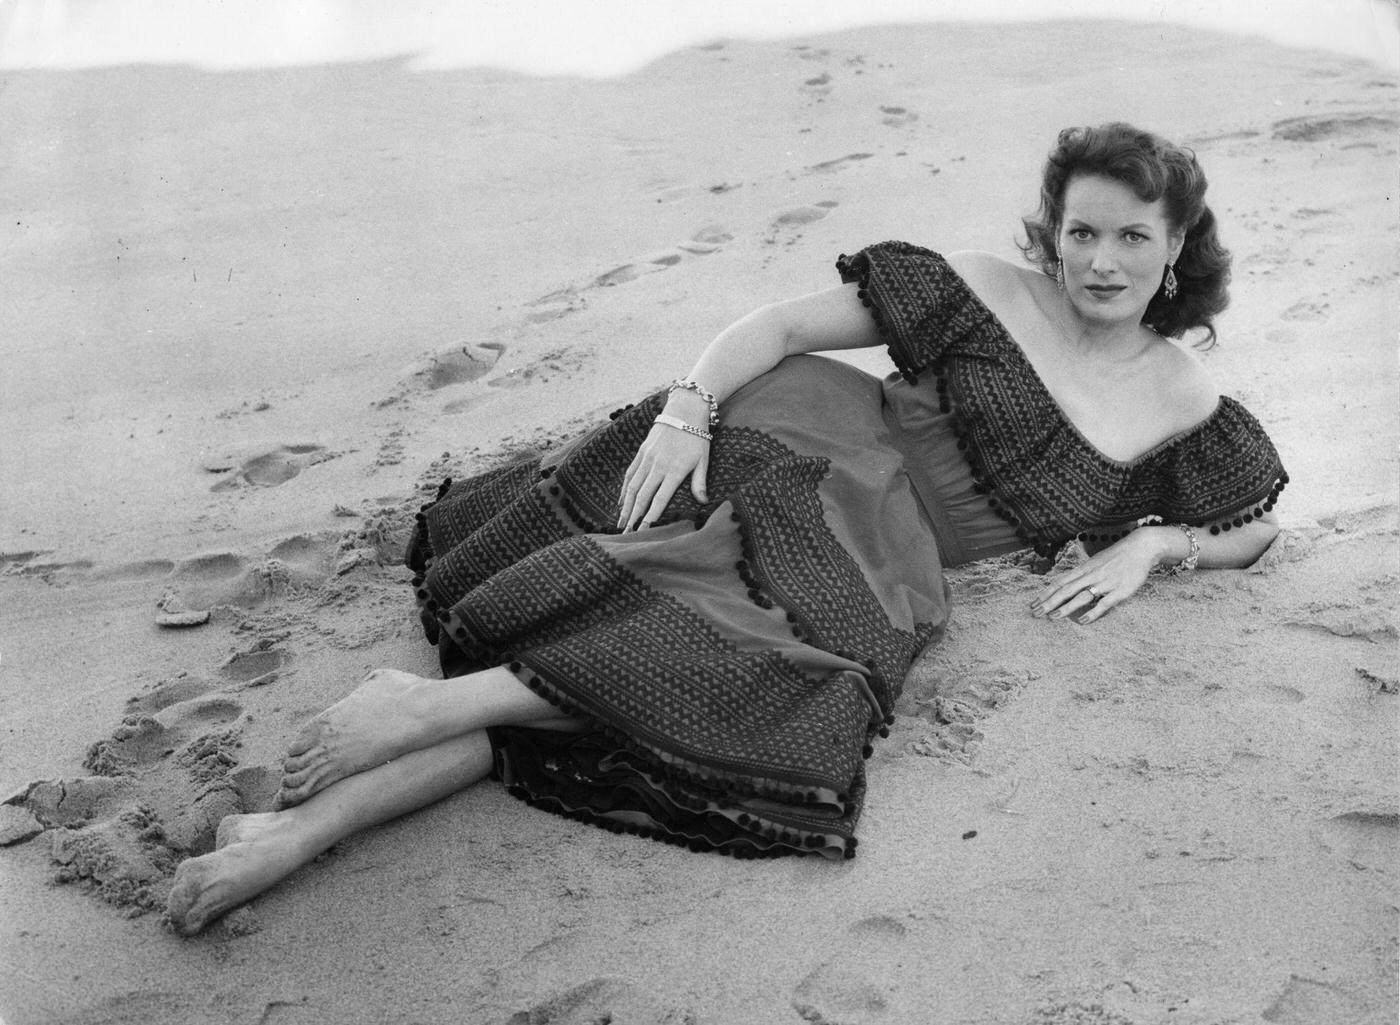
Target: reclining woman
694, 621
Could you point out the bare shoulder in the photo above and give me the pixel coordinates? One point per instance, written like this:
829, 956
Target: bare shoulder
991, 276
1012, 291
1183, 382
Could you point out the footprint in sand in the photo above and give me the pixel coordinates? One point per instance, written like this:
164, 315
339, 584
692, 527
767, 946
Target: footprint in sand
57, 574
1278, 694
602, 1000
1306, 310
255, 668
127, 856
451, 364
818, 86
1308, 213
145, 569
459, 406
1379, 682
838, 992
297, 564
458, 363
632, 271
786, 223
838, 163
559, 303
266, 468
12, 561
1305, 1001
71, 802
142, 741
123, 860
1366, 128
172, 691
953, 701
162, 782
709, 239
800, 215
897, 117
1372, 626
1369, 841
1239, 135
102, 836
98, 837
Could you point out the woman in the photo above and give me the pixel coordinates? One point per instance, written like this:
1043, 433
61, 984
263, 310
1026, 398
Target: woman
709, 664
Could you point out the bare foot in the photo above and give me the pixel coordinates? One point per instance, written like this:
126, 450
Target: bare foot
385, 716
253, 852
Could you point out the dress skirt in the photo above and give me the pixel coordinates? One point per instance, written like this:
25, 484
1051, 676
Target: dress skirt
732, 664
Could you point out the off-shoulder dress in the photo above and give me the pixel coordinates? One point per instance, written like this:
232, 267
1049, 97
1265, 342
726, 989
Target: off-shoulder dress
736, 662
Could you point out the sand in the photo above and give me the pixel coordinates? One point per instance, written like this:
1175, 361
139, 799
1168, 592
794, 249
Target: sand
252, 317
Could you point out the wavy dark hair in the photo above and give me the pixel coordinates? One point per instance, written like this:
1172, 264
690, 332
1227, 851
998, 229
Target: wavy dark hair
1154, 169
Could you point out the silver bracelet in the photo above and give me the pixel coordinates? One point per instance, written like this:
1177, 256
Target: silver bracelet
1187, 564
686, 384
681, 425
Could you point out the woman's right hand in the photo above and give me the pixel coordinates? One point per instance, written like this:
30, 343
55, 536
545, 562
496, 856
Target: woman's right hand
661, 465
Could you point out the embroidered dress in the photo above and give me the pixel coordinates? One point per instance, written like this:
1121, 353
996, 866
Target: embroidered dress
735, 662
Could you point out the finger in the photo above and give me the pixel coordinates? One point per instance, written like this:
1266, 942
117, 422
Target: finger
1049, 590
699, 478
1097, 610
642, 500
1053, 597
1069, 583
631, 485
661, 499
1076, 604
624, 507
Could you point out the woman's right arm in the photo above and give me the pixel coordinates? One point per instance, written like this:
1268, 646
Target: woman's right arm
821, 322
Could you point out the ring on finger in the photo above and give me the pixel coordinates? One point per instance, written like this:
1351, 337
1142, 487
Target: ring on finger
1096, 595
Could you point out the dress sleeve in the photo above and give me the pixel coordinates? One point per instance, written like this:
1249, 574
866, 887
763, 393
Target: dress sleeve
922, 308
1221, 475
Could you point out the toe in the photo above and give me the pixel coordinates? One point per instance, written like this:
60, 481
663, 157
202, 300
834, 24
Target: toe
308, 737
298, 779
302, 762
291, 796
182, 906
297, 788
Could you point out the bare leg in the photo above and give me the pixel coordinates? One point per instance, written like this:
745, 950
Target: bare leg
392, 713
257, 851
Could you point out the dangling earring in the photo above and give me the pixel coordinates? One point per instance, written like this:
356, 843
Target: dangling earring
1060, 272
1169, 286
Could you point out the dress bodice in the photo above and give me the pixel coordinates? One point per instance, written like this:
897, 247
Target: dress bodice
1024, 458
966, 527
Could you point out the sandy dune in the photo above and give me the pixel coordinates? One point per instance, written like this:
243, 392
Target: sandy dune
251, 318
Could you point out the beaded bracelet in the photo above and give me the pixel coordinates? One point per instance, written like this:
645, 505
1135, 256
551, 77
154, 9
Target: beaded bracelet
686, 384
681, 425
1187, 564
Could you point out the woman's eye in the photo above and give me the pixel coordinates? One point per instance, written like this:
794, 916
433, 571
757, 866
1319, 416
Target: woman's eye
1135, 237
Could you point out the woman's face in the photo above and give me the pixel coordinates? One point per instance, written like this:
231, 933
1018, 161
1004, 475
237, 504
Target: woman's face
1114, 248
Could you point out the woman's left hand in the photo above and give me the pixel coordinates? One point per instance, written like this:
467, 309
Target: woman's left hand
1105, 580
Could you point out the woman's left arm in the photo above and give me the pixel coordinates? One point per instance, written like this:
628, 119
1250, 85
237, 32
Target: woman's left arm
1114, 574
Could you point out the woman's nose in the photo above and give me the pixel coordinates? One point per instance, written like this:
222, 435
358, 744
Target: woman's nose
1103, 261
